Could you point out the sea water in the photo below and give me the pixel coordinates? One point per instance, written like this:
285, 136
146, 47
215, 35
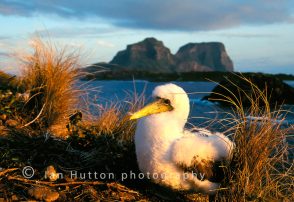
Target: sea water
203, 113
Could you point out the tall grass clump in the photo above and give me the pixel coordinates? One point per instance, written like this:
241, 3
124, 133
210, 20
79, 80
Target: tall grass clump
261, 168
112, 118
49, 75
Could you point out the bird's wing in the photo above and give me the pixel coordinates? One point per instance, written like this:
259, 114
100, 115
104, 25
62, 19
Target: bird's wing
201, 153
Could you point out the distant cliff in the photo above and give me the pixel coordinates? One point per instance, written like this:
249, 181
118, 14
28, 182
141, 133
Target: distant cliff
211, 56
147, 55
151, 55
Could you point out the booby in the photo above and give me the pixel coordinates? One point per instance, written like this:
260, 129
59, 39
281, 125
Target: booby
172, 155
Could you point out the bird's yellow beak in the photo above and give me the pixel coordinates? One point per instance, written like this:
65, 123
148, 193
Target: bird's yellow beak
155, 107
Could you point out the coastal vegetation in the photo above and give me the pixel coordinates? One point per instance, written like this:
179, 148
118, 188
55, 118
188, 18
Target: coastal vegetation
99, 73
46, 123
238, 87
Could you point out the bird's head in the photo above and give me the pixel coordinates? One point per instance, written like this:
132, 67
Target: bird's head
168, 98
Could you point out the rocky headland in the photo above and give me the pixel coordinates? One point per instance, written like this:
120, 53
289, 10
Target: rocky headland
151, 56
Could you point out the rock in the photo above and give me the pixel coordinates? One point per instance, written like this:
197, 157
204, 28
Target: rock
43, 193
277, 91
3, 131
51, 173
23, 96
2, 128
150, 55
14, 198
147, 55
211, 56
3, 117
11, 123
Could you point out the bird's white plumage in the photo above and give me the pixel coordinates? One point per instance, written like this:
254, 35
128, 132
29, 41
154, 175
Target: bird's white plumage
213, 147
162, 144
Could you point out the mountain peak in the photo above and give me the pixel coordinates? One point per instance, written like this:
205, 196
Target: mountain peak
151, 40
147, 55
209, 55
151, 55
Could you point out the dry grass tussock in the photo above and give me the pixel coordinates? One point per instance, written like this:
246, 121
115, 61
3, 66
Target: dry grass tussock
261, 168
113, 117
49, 74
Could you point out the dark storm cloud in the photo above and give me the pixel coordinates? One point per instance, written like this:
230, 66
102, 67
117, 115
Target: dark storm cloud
160, 14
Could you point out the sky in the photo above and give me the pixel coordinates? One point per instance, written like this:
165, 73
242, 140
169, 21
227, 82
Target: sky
257, 34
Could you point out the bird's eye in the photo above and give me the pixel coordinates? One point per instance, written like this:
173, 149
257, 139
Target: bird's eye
166, 101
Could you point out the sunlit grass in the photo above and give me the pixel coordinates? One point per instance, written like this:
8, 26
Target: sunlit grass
49, 75
261, 168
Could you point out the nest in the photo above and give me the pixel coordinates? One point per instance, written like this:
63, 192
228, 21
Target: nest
76, 154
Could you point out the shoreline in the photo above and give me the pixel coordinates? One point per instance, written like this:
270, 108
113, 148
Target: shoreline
166, 77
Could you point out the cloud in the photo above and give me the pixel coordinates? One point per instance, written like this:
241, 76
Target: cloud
106, 44
2, 38
160, 14
65, 32
3, 53
3, 43
248, 35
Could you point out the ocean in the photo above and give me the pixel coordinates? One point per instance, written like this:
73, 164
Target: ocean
202, 113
